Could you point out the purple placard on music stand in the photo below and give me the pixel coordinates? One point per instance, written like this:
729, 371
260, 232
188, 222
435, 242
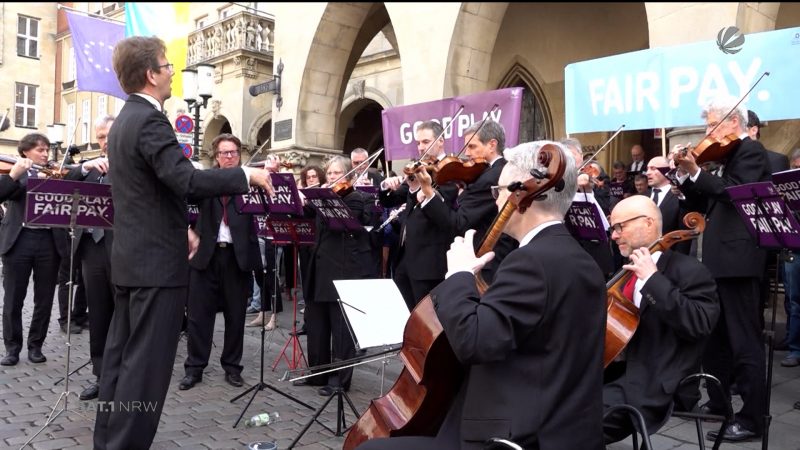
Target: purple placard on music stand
298, 231
48, 202
305, 231
787, 183
616, 189
372, 192
192, 213
766, 215
583, 221
334, 212
285, 201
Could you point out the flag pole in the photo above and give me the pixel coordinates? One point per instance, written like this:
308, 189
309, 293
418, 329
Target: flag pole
86, 13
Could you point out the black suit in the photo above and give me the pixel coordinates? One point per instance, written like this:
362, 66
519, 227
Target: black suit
475, 209
533, 349
636, 168
25, 250
778, 162
149, 267
220, 273
337, 255
421, 261
678, 311
736, 263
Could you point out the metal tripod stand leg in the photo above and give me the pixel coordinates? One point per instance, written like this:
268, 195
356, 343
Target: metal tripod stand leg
70, 297
341, 424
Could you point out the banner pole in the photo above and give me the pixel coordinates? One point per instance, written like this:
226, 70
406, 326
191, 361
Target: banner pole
664, 142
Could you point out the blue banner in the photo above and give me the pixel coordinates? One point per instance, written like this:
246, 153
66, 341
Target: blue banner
668, 87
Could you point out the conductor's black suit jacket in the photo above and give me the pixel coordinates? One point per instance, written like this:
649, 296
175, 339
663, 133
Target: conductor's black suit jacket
533, 344
151, 181
679, 309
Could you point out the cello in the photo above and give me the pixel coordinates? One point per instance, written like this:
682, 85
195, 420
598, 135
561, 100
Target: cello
429, 381
622, 314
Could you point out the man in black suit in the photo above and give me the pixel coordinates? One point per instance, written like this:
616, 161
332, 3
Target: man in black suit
661, 194
735, 350
221, 268
678, 309
365, 175
421, 261
537, 333
149, 263
474, 207
26, 250
638, 164
93, 251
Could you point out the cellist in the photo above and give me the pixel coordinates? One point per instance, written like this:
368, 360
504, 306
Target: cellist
678, 307
532, 344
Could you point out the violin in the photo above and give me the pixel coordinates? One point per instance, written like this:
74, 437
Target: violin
51, 170
342, 188
622, 314
430, 378
451, 168
710, 149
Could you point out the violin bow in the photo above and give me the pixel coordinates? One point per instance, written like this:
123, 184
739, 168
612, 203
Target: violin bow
69, 144
371, 159
483, 122
765, 74
602, 147
257, 151
444, 130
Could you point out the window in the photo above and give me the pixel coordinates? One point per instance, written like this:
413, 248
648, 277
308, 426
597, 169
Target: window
73, 71
70, 119
118, 104
226, 12
85, 115
102, 109
201, 22
25, 105
28, 37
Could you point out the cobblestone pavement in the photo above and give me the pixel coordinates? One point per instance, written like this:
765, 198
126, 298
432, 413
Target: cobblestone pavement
203, 417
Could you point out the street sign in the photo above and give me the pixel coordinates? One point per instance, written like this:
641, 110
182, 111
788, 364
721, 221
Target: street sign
184, 124
187, 150
262, 88
185, 138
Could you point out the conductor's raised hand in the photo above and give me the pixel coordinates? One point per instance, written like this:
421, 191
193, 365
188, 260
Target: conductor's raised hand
262, 179
461, 256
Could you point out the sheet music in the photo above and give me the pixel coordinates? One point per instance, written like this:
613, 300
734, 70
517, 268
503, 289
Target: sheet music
375, 310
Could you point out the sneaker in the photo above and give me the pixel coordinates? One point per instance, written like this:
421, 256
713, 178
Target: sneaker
251, 310
791, 360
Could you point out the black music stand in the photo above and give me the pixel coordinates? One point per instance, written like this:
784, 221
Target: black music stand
37, 213
370, 324
774, 226
261, 385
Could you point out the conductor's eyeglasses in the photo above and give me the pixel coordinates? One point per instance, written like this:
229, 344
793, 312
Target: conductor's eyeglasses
229, 154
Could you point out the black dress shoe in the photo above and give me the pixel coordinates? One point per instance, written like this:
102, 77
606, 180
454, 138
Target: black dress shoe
73, 328
234, 379
734, 432
325, 391
35, 355
9, 360
189, 381
90, 392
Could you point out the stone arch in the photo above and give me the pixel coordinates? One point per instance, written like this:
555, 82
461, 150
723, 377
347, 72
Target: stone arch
215, 125
255, 134
536, 119
342, 34
367, 132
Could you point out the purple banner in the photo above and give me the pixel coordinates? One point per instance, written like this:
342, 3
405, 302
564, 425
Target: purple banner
285, 201
400, 122
335, 213
766, 216
788, 185
584, 222
49, 203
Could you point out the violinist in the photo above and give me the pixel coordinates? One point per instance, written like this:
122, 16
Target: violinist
537, 333
365, 176
26, 249
337, 255
420, 262
474, 207
735, 350
678, 308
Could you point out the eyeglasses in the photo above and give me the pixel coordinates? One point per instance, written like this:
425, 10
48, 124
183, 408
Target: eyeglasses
229, 153
170, 67
496, 190
619, 226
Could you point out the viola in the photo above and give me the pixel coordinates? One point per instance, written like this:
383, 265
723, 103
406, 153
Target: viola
622, 314
429, 381
710, 149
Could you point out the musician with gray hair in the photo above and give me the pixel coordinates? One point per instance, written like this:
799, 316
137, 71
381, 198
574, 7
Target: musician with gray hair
537, 333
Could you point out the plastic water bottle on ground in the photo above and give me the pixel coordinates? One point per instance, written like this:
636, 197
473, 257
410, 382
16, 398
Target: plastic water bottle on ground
262, 419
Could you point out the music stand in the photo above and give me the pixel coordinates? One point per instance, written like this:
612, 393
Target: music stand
773, 225
262, 208
69, 204
370, 323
